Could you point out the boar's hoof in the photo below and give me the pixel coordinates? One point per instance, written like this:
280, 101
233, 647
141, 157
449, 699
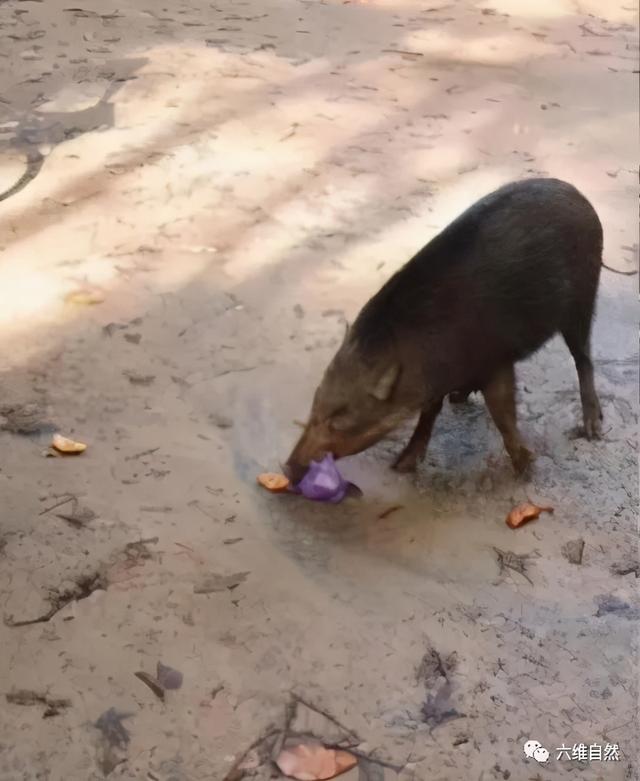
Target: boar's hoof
593, 423
522, 459
405, 463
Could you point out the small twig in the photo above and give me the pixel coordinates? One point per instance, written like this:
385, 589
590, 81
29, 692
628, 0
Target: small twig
9, 620
84, 588
369, 758
144, 541
626, 569
401, 51
234, 371
291, 133
236, 773
35, 161
143, 453
70, 497
290, 712
617, 271
588, 31
327, 715
195, 503
386, 513
73, 520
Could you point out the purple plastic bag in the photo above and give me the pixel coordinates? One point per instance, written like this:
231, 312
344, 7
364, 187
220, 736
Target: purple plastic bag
323, 482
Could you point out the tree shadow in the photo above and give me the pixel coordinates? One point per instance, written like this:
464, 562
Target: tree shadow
32, 131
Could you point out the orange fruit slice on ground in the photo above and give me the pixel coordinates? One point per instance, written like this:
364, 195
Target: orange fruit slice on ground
272, 481
65, 445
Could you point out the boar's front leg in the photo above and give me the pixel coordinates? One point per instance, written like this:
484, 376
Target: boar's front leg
500, 396
415, 451
459, 396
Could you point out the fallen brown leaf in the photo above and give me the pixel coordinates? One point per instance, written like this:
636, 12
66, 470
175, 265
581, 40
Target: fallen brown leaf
311, 761
573, 551
524, 513
168, 677
79, 516
152, 683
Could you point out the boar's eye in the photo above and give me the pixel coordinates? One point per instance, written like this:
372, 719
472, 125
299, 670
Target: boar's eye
341, 420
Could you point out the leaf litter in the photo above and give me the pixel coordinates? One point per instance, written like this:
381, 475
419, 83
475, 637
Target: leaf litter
435, 672
53, 705
310, 760
514, 561
312, 745
166, 679
114, 739
214, 583
85, 585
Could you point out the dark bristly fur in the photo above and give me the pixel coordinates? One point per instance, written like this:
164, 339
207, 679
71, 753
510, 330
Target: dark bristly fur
517, 267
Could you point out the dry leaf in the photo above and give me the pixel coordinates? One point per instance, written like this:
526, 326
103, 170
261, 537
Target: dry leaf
65, 445
139, 379
167, 677
251, 761
79, 516
273, 481
524, 513
311, 761
152, 683
86, 296
215, 583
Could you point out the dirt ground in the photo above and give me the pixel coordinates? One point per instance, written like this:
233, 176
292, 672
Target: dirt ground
235, 179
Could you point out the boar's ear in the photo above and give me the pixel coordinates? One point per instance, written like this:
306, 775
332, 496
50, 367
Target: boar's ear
383, 386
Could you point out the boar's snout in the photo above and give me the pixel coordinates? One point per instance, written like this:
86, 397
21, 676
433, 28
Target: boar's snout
294, 471
312, 446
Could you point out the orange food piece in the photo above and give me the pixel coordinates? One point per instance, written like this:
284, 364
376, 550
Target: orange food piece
65, 445
311, 761
85, 295
524, 513
272, 481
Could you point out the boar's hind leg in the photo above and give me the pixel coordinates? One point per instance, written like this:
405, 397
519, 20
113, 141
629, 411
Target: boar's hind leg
415, 451
500, 396
577, 338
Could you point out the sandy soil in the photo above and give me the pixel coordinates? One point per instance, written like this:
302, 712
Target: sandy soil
236, 178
